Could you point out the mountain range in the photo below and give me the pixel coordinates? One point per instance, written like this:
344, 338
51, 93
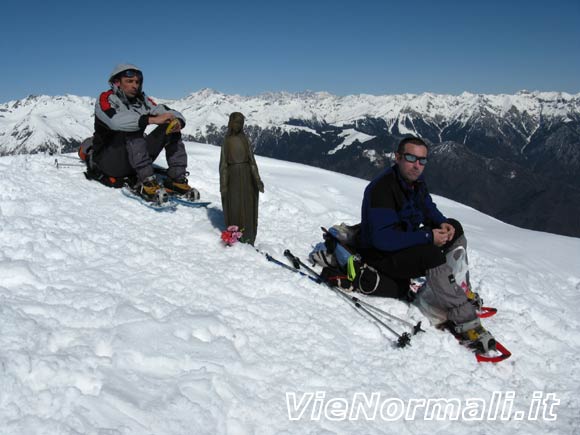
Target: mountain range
514, 157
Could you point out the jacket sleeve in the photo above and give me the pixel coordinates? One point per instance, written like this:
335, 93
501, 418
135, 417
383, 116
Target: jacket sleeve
385, 233
433, 213
115, 114
160, 109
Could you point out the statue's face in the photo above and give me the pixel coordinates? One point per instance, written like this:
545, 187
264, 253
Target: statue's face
237, 125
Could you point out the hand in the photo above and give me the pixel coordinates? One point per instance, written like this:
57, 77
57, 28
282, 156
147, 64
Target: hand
450, 229
440, 237
261, 186
164, 118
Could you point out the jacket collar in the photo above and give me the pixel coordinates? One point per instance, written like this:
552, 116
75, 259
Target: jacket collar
126, 100
413, 187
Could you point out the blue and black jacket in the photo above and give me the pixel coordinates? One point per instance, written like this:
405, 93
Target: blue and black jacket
396, 215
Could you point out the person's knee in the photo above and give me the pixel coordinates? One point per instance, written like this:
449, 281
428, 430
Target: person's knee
431, 257
174, 137
457, 225
136, 143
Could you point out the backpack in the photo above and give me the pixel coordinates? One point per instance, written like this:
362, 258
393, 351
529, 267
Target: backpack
332, 254
85, 153
86, 149
340, 242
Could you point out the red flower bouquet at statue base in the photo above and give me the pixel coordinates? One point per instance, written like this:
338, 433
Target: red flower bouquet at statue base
231, 235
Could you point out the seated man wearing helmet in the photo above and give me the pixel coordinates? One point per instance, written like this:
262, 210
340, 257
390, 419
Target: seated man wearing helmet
120, 148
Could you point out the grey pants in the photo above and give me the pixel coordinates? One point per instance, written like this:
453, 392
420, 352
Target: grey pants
443, 299
127, 154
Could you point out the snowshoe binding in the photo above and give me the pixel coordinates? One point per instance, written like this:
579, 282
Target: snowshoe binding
150, 190
181, 188
475, 337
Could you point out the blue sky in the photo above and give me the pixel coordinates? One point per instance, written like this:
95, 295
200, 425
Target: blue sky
343, 47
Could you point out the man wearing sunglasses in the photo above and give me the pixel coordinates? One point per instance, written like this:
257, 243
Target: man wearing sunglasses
120, 149
404, 235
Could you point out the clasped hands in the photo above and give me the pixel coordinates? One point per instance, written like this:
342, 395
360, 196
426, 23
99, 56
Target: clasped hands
443, 234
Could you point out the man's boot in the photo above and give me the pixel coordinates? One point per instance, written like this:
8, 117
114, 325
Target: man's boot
473, 335
181, 187
150, 190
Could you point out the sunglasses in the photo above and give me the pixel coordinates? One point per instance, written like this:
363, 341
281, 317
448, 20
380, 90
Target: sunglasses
412, 158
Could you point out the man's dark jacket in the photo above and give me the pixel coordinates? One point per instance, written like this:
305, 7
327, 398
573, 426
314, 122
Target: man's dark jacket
396, 215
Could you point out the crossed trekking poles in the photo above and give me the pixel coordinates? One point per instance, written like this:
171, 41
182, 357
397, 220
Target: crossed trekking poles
372, 312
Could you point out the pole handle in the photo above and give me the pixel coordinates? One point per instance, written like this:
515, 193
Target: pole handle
295, 260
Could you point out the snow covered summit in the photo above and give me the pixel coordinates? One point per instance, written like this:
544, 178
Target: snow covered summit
39, 123
115, 319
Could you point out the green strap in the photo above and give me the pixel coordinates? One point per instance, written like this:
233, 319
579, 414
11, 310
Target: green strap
350, 270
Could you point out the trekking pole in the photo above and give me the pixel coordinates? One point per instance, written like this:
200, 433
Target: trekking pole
403, 339
285, 266
67, 165
297, 262
64, 156
416, 328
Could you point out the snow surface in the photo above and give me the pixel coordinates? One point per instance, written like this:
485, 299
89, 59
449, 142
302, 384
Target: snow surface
116, 319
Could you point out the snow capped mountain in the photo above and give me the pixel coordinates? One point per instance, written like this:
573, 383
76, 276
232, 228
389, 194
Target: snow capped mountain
39, 123
116, 319
43, 122
274, 109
